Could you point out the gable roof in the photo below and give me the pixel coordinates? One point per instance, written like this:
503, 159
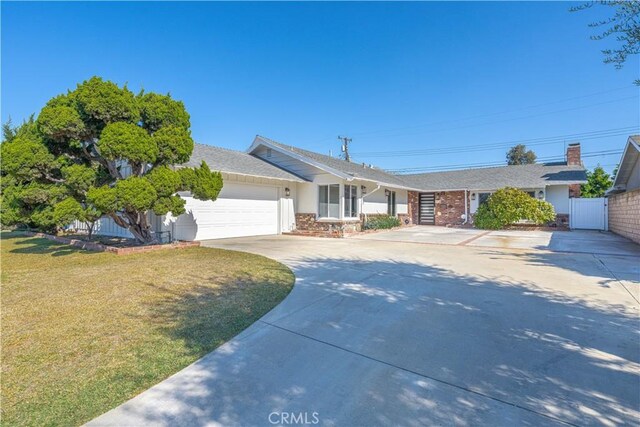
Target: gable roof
238, 162
629, 159
520, 176
339, 167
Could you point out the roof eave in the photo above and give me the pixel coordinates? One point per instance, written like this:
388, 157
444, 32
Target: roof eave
261, 141
630, 142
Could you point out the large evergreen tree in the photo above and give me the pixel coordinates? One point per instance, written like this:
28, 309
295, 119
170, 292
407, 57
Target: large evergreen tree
519, 155
101, 150
598, 182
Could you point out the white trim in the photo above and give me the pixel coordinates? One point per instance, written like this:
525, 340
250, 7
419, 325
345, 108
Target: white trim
622, 187
260, 141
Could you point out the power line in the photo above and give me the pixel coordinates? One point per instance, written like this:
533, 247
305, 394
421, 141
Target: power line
505, 144
493, 164
488, 114
502, 112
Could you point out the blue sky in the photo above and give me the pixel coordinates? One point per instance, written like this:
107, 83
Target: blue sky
418, 84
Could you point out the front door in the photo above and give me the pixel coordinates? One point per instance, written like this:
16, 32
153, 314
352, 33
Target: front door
427, 209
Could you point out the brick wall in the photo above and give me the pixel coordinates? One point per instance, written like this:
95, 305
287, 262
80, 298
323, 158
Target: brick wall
624, 214
413, 206
574, 190
307, 224
573, 159
450, 208
573, 154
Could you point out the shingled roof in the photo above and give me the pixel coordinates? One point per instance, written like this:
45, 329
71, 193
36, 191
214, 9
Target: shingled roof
231, 161
355, 170
520, 176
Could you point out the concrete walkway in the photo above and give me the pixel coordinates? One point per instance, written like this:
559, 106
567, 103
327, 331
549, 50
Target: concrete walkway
381, 332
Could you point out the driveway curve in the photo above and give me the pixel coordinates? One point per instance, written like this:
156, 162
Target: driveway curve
398, 333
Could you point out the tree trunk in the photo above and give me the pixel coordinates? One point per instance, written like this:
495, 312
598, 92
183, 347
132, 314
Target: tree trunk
136, 223
90, 226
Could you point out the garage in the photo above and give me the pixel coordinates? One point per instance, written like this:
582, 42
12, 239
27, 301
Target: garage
240, 210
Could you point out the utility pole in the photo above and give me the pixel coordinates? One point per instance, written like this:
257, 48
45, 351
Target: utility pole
345, 147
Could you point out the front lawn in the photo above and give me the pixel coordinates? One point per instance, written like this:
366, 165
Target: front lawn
83, 331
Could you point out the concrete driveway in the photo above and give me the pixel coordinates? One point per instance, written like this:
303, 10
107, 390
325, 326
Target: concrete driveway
384, 332
583, 241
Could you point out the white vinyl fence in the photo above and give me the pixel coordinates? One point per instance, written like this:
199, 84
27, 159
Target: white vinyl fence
103, 227
588, 214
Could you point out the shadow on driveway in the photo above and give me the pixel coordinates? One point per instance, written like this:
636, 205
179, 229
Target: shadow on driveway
388, 342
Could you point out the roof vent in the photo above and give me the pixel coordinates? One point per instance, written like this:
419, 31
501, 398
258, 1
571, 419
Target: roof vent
268, 152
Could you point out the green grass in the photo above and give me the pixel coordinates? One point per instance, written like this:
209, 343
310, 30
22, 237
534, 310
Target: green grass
83, 331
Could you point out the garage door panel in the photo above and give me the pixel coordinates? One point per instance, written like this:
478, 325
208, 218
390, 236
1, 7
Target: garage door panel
240, 210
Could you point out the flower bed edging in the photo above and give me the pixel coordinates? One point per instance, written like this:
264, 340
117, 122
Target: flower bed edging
99, 247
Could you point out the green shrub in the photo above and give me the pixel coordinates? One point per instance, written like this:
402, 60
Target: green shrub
510, 205
380, 222
485, 219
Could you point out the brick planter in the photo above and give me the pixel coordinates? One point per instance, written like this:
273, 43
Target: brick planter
99, 247
308, 225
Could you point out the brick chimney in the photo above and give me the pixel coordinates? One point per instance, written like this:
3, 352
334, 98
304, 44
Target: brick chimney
573, 154
573, 159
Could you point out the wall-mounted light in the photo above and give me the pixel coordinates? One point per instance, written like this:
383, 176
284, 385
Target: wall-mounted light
387, 193
540, 194
363, 189
473, 196
287, 192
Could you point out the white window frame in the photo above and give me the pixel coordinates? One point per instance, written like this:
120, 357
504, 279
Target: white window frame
392, 203
353, 190
328, 194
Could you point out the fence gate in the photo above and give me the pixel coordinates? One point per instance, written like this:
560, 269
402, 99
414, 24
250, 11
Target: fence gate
589, 214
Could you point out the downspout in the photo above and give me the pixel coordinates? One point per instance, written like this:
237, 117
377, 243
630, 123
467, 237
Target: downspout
466, 208
368, 194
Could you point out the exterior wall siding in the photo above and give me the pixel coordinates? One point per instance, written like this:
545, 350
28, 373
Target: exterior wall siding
624, 214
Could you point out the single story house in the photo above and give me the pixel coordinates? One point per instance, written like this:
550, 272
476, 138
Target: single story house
274, 188
624, 195
452, 197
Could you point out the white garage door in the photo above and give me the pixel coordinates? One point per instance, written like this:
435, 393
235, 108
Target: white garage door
240, 210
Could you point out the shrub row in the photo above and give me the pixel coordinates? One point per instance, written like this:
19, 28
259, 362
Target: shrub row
380, 222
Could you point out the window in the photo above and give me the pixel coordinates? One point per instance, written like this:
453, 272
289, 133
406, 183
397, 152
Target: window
391, 203
350, 201
483, 197
532, 194
329, 201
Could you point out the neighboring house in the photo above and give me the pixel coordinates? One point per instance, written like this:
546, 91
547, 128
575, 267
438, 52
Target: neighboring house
624, 195
274, 188
451, 198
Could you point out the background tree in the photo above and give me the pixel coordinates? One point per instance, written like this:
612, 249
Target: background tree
518, 155
110, 151
624, 25
598, 182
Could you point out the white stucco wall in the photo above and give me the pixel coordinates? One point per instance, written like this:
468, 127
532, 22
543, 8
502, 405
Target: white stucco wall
558, 196
375, 202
